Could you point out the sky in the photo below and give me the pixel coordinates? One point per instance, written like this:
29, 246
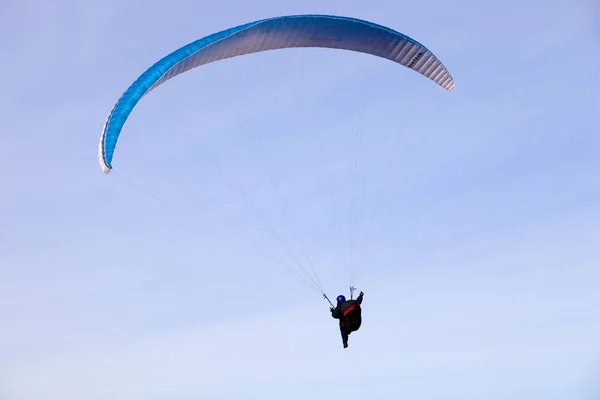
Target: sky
470, 219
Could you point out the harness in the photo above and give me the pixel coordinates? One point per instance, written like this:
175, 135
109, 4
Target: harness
350, 309
352, 319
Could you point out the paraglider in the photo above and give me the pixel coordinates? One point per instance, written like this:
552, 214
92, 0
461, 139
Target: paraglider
349, 314
293, 31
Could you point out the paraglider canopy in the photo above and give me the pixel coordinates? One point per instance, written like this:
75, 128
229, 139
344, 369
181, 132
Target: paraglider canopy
292, 31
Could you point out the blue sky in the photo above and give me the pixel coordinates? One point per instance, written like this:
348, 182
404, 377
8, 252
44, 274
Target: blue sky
479, 261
